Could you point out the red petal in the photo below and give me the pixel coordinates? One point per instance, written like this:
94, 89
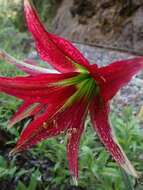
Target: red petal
49, 50
31, 71
69, 50
28, 66
36, 88
25, 110
118, 74
42, 96
50, 123
99, 116
31, 67
34, 82
37, 129
77, 125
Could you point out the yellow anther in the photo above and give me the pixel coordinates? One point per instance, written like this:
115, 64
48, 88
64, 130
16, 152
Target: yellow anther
74, 130
69, 136
45, 125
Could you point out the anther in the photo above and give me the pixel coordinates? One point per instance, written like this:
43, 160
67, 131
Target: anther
45, 125
74, 130
69, 136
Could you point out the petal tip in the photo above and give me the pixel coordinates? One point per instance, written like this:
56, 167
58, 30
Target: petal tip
75, 181
9, 126
27, 5
130, 169
14, 151
26, 2
11, 153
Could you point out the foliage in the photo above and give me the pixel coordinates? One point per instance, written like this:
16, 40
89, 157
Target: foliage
12, 21
47, 9
10, 38
12, 11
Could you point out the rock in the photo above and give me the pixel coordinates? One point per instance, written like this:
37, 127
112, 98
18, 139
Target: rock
109, 22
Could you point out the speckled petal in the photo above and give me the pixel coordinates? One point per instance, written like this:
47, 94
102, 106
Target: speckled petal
28, 66
48, 47
117, 75
37, 88
51, 123
25, 110
70, 50
99, 116
74, 134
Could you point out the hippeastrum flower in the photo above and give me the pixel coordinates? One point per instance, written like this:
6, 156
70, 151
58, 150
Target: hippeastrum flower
60, 101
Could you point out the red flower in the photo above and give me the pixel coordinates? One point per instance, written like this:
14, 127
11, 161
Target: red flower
61, 101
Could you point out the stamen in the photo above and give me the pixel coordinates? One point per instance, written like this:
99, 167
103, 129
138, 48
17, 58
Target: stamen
55, 123
74, 130
69, 136
45, 125
62, 132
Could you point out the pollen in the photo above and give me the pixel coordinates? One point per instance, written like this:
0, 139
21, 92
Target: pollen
62, 132
45, 125
69, 136
74, 130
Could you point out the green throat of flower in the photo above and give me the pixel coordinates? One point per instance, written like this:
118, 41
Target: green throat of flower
86, 87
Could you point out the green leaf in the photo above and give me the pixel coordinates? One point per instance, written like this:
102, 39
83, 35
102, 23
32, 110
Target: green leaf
33, 183
3, 162
35, 178
21, 186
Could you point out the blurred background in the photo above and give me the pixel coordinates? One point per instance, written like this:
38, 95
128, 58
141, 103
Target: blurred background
104, 31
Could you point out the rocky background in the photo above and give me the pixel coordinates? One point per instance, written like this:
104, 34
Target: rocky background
114, 23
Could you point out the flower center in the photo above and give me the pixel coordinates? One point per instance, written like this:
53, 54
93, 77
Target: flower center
86, 86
